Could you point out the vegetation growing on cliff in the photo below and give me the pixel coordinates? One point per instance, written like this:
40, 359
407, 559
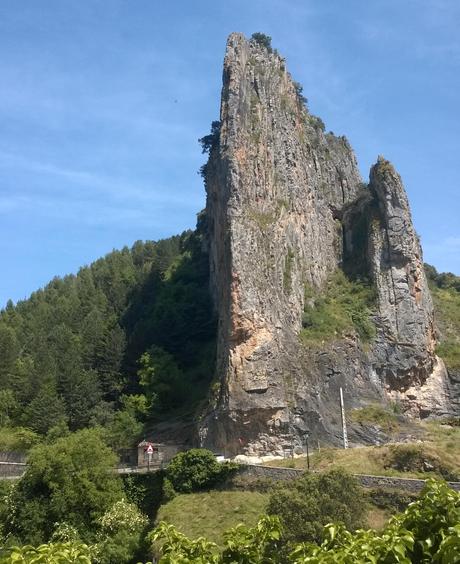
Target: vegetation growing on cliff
263, 40
343, 306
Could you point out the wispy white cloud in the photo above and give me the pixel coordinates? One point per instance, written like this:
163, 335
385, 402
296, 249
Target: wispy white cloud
116, 188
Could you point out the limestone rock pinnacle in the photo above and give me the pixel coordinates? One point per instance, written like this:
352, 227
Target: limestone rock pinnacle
283, 202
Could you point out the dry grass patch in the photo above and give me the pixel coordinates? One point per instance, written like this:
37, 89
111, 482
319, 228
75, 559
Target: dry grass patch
438, 457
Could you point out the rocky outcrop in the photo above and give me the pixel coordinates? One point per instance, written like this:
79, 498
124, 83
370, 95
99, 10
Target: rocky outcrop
404, 349
286, 207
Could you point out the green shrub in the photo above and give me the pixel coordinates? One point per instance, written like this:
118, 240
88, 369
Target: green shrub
392, 500
17, 439
120, 534
427, 531
316, 122
71, 480
145, 490
299, 91
262, 40
197, 469
210, 141
168, 492
306, 505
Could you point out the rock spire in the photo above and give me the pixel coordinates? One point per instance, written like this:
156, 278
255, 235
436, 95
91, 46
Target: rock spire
286, 209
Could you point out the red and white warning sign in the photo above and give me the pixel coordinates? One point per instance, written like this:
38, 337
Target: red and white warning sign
150, 449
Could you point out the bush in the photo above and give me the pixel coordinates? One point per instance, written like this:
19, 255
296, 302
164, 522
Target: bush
120, 534
197, 469
306, 505
17, 439
392, 500
145, 490
211, 140
414, 458
316, 122
427, 531
70, 480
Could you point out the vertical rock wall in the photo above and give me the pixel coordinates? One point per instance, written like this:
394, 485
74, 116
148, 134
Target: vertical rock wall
278, 190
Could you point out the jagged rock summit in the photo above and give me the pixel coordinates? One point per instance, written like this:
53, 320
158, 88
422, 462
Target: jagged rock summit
286, 211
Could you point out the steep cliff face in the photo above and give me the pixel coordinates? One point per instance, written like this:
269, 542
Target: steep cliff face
286, 208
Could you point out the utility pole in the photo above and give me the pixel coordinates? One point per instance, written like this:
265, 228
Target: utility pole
306, 435
344, 422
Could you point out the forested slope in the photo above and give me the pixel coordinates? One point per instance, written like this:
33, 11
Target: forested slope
129, 337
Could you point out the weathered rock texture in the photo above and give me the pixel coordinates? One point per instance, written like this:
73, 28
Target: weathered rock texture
286, 207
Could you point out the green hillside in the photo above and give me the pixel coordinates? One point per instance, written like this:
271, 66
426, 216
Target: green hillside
70, 355
445, 289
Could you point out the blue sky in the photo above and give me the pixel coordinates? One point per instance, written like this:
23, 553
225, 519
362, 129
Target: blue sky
102, 102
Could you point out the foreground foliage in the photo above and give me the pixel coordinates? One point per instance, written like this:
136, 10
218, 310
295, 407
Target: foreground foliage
242, 544
55, 553
427, 531
68, 481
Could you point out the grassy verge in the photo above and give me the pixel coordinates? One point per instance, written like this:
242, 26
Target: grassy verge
211, 513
